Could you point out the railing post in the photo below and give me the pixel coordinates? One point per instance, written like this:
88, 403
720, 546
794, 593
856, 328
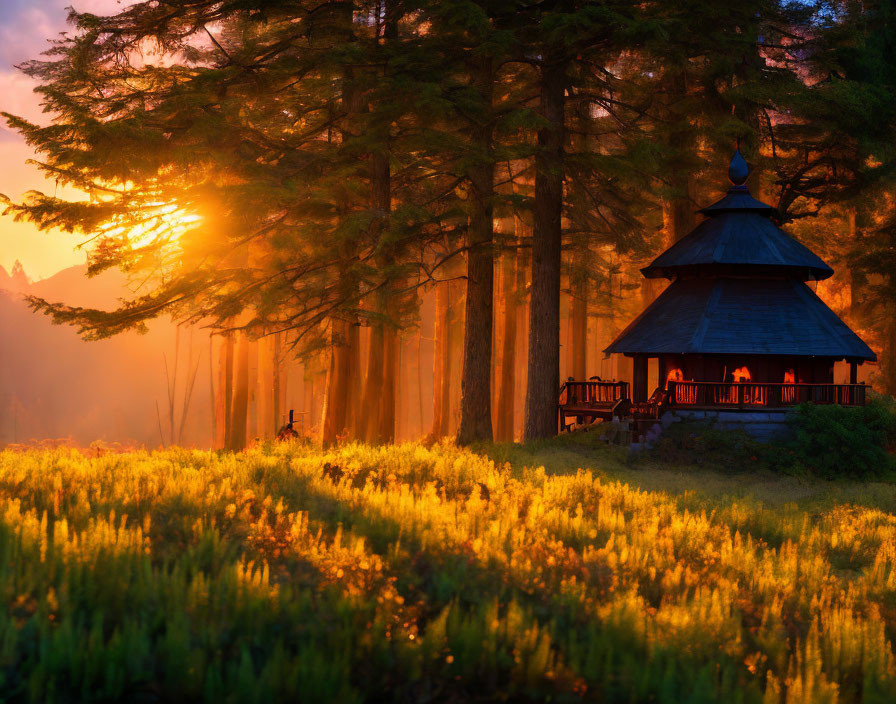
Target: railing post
639, 378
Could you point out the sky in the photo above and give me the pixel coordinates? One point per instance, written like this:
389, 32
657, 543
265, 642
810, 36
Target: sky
25, 28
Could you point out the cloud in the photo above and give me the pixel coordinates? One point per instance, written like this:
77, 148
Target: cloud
18, 97
28, 26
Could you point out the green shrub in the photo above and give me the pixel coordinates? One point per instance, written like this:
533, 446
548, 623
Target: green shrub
703, 444
824, 441
835, 441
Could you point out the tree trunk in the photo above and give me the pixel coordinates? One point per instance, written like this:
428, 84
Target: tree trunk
353, 381
265, 393
373, 386
225, 391
240, 406
544, 314
578, 328
211, 390
334, 415
475, 405
858, 219
308, 372
888, 357
252, 424
504, 415
419, 428
391, 343
379, 385
441, 372
681, 204
523, 269
278, 382
456, 322
335, 412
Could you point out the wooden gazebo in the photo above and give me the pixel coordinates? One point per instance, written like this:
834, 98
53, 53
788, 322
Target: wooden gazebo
738, 328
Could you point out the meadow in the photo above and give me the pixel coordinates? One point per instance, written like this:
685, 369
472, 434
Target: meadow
410, 573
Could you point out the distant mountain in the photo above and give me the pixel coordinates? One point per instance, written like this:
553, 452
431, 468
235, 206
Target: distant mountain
16, 281
73, 286
53, 384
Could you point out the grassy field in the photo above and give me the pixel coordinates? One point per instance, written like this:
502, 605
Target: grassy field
408, 573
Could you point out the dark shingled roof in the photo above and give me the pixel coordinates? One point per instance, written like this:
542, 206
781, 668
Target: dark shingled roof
738, 289
739, 198
740, 316
739, 241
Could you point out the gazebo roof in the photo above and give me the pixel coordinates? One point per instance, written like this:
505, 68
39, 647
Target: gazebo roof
738, 237
738, 241
721, 315
738, 288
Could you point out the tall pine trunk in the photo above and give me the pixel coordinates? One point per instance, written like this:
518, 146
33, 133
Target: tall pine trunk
308, 372
373, 384
278, 381
353, 381
223, 398
265, 393
441, 373
379, 386
215, 418
388, 399
341, 378
578, 327
334, 415
890, 366
252, 418
859, 221
418, 338
681, 204
543, 383
523, 268
240, 407
456, 322
504, 416
475, 406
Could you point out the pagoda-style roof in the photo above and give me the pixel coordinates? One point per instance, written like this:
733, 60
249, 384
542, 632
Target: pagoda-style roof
738, 288
738, 237
738, 242
721, 315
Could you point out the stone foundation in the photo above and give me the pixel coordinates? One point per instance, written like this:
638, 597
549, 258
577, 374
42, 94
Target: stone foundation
764, 426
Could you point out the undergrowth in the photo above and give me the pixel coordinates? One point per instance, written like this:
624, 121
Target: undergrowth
826, 441
415, 573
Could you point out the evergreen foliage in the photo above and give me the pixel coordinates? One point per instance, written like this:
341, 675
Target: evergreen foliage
307, 166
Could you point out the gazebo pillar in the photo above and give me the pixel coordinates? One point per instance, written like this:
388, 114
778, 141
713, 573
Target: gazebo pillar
853, 373
639, 378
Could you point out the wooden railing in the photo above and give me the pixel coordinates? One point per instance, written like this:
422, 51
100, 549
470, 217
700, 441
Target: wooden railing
593, 393
748, 394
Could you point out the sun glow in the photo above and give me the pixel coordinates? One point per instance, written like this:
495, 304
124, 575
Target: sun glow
155, 224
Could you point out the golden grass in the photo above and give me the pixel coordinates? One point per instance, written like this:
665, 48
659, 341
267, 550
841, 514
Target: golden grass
438, 573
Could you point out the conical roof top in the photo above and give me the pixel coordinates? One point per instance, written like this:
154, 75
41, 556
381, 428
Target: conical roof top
738, 237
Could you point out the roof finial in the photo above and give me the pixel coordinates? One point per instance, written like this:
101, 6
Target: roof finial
738, 169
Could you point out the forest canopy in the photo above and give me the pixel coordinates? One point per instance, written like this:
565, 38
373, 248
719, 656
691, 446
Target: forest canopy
313, 174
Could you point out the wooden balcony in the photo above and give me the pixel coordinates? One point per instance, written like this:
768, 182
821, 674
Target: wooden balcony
748, 394
592, 400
